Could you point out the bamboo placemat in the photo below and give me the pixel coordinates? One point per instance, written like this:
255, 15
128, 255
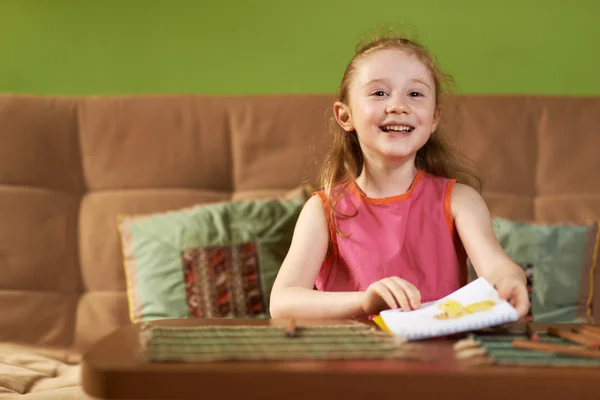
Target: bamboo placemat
228, 343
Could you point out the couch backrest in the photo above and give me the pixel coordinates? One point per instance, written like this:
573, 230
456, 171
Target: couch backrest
69, 166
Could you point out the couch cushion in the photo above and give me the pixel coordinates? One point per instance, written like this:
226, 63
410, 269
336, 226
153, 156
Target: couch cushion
130, 142
217, 260
499, 134
37, 317
572, 207
40, 145
502, 205
49, 372
63, 393
278, 141
567, 185
39, 229
99, 312
568, 158
558, 258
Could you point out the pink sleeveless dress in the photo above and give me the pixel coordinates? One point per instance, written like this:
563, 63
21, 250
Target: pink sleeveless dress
411, 236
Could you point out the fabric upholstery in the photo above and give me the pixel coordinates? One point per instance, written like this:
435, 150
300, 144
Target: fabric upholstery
40, 187
39, 372
129, 142
70, 165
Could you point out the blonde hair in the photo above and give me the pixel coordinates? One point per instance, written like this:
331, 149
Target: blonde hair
438, 156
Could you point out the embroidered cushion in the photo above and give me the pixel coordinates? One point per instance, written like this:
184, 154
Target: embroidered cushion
212, 261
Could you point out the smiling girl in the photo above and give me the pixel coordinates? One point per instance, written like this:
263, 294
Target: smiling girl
399, 213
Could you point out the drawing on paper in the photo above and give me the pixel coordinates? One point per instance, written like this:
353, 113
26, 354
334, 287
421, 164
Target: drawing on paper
452, 309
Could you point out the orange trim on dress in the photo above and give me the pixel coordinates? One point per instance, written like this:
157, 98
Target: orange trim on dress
447, 206
458, 246
332, 250
386, 200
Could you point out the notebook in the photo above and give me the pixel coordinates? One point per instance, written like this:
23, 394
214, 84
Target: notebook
474, 306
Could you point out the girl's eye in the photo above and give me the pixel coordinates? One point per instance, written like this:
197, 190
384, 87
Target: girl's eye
415, 94
379, 93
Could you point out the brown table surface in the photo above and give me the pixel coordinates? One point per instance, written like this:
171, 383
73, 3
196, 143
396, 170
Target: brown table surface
112, 370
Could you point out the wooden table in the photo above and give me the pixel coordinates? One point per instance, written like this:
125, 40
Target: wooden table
112, 369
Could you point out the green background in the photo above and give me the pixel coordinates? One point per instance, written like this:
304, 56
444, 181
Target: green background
278, 46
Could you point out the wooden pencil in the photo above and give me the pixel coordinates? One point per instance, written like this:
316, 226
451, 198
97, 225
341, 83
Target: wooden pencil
555, 348
290, 330
573, 337
591, 328
531, 333
590, 334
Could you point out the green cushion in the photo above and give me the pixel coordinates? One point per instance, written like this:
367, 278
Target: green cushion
216, 260
558, 256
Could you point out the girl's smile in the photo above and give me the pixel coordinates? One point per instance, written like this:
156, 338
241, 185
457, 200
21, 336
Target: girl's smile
399, 128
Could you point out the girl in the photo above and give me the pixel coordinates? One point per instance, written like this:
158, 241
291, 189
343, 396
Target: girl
398, 215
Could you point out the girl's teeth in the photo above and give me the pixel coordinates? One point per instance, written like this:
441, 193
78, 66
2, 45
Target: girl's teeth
397, 128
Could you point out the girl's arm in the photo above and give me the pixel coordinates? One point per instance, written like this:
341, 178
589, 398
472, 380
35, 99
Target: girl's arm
474, 225
292, 294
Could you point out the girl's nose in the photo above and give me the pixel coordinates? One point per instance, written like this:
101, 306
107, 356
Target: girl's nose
397, 106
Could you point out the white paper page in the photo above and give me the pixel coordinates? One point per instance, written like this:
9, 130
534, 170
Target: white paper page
475, 306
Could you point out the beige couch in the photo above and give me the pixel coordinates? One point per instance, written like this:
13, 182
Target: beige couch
69, 165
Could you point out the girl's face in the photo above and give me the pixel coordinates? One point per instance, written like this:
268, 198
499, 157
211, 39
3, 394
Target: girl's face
391, 106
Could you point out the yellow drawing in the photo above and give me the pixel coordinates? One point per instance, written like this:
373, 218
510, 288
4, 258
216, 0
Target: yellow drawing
452, 309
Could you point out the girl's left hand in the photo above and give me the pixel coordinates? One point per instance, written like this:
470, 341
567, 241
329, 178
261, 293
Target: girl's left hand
515, 291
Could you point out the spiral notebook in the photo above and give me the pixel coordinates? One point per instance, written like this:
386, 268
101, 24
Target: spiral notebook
472, 307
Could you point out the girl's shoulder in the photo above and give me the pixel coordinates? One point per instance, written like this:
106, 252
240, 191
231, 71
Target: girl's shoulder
465, 192
314, 211
315, 202
465, 199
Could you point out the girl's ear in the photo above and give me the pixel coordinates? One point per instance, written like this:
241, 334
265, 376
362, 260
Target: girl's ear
342, 116
437, 115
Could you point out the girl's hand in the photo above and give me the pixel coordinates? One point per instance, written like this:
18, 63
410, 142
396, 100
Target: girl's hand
515, 291
391, 292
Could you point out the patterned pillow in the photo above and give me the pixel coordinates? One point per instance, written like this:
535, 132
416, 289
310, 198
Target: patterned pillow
559, 262
216, 260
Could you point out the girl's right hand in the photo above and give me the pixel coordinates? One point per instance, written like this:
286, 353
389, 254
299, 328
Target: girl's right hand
392, 292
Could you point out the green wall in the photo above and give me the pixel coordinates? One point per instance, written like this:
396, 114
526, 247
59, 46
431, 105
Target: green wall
280, 46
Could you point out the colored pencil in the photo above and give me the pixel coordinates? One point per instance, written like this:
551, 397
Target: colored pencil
573, 337
590, 334
531, 333
591, 328
555, 348
290, 330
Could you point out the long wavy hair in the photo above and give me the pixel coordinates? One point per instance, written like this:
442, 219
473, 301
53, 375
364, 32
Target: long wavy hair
439, 156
